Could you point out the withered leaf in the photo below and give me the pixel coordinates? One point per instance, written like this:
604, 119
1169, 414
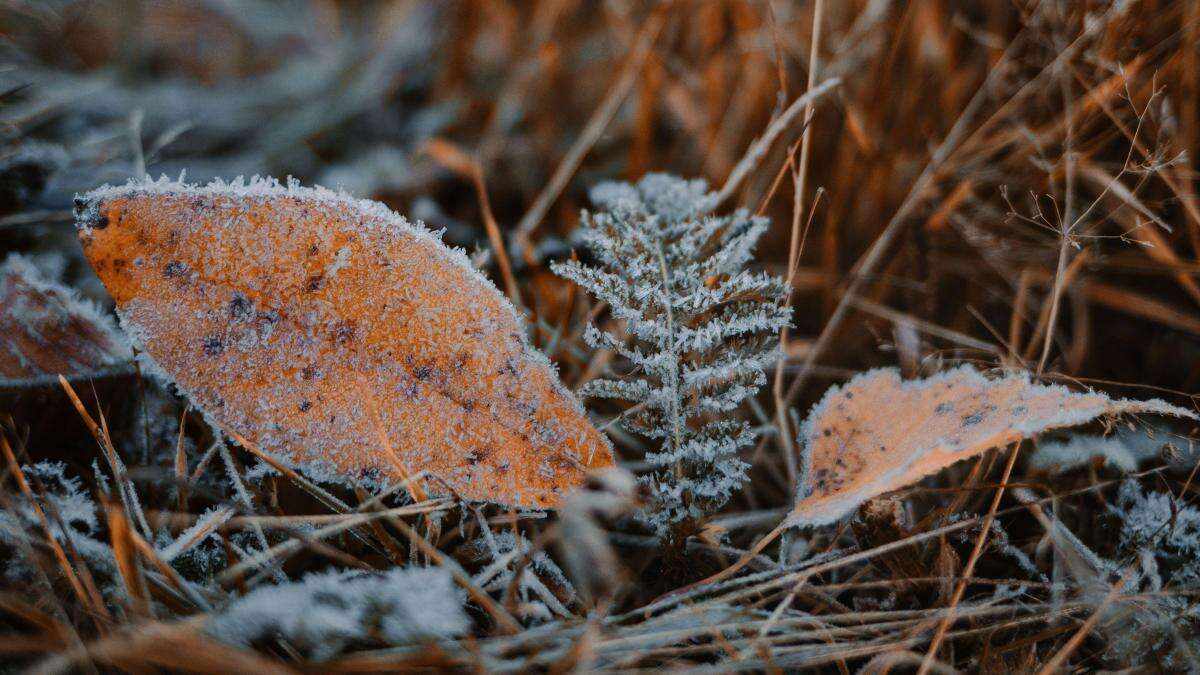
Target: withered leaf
331, 333
878, 433
46, 329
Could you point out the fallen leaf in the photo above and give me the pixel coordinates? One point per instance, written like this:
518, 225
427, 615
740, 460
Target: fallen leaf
334, 335
46, 329
878, 433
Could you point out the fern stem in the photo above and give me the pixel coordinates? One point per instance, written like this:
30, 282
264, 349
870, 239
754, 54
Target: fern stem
673, 375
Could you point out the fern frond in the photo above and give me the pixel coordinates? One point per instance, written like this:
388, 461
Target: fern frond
695, 328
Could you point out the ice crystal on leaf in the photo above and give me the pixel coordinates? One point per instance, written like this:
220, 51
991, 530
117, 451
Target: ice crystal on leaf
696, 327
879, 433
337, 337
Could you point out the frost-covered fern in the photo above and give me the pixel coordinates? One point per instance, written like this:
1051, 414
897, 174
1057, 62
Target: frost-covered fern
698, 330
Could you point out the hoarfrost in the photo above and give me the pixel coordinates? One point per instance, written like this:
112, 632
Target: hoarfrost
703, 330
327, 612
879, 433
307, 321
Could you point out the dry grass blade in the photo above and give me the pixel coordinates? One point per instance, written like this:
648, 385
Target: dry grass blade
758, 149
60, 556
930, 656
600, 119
125, 552
338, 448
179, 646
453, 158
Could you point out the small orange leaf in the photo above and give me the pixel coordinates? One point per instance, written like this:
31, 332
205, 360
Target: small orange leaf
315, 325
878, 433
46, 329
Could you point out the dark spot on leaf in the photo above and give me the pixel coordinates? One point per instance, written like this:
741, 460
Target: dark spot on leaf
213, 345
944, 408
240, 307
970, 420
343, 332
422, 372
304, 406
314, 283
174, 269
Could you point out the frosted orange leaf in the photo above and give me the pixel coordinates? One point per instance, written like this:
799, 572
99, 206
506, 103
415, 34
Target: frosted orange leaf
324, 328
46, 329
878, 433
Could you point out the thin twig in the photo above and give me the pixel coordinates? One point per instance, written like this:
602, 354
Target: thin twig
762, 144
591, 133
969, 570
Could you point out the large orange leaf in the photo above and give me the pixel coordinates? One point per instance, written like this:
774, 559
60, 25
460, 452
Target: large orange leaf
878, 433
333, 334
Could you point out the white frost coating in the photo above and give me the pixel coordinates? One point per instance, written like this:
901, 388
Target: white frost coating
340, 261
263, 188
326, 612
73, 303
505, 553
1124, 450
1085, 407
205, 526
76, 525
1163, 524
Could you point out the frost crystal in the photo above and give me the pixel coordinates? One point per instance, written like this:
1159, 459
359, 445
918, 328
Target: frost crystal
1123, 450
338, 337
1158, 621
703, 328
506, 555
326, 612
1166, 527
